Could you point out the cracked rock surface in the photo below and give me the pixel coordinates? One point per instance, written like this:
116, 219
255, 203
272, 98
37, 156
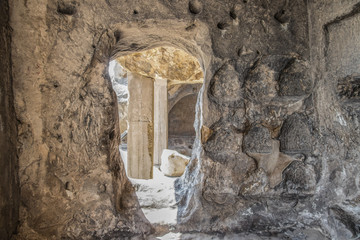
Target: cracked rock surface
276, 151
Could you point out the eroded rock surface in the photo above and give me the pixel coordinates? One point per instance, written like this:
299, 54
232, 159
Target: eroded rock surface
168, 63
283, 74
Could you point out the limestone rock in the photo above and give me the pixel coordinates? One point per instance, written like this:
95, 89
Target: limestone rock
261, 81
168, 63
295, 136
173, 164
258, 140
225, 86
294, 79
65, 112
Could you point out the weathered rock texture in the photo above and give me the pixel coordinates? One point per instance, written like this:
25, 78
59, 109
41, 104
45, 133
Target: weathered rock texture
168, 63
73, 183
277, 120
335, 45
9, 184
280, 136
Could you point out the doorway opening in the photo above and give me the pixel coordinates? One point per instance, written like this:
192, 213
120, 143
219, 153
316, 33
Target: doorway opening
157, 94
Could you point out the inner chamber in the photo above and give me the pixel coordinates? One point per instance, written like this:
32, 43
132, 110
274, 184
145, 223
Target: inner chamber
157, 94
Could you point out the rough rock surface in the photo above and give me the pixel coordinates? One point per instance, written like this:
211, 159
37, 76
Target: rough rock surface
173, 164
284, 70
168, 63
9, 183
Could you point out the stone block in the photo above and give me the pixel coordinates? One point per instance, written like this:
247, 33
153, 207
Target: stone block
173, 164
294, 79
258, 140
295, 136
225, 86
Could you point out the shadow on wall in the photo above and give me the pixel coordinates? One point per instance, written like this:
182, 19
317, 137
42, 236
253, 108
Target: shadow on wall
9, 185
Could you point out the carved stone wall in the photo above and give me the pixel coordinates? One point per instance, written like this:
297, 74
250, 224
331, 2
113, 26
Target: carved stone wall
335, 59
267, 81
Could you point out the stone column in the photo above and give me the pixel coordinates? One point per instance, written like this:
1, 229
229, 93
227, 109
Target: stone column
140, 136
160, 118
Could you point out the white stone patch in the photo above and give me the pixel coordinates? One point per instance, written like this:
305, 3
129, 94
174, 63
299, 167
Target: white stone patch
156, 196
171, 236
173, 164
340, 119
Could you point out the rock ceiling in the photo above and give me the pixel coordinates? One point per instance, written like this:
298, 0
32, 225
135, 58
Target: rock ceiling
175, 65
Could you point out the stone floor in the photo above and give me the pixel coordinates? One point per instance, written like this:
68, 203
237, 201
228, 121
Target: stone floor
157, 199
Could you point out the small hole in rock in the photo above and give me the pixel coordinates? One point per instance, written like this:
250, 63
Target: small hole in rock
112, 135
195, 6
134, 45
59, 138
233, 14
66, 9
135, 12
191, 27
222, 25
68, 186
117, 35
281, 17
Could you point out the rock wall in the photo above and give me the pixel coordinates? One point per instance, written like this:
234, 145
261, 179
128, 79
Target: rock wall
73, 183
181, 125
276, 147
9, 183
182, 117
255, 170
280, 136
335, 42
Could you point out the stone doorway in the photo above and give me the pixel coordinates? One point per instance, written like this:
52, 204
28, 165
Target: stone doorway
157, 94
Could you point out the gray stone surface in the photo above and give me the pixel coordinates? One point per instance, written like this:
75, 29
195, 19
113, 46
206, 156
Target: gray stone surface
276, 64
258, 140
295, 136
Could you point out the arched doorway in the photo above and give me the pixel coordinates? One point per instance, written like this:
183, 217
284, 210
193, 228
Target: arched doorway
149, 84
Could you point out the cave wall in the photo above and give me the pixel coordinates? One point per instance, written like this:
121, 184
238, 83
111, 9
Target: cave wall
9, 184
276, 147
335, 42
281, 144
73, 182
